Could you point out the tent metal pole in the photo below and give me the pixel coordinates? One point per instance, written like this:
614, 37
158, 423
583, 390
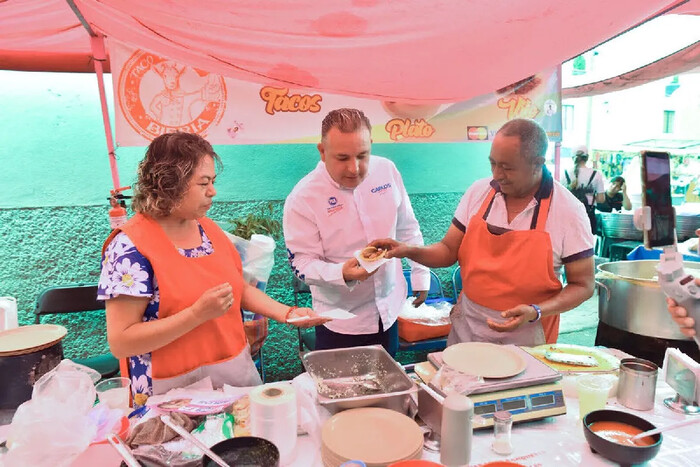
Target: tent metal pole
557, 145
97, 44
98, 52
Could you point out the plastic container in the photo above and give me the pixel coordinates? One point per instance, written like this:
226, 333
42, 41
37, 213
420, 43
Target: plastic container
114, 392
411, 331
121, 429
8, 313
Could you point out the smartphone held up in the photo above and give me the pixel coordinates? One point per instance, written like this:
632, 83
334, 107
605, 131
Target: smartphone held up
656, 194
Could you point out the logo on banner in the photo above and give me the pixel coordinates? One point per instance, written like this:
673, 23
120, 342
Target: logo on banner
279, 100
158, 96
477, 133
401, 128
550, 107
518, 107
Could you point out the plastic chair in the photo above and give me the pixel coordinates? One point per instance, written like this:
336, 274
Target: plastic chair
306, 338
456, 283
435, 292
76, 298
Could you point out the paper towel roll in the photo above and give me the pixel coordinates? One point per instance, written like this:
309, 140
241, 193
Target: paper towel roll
273, 416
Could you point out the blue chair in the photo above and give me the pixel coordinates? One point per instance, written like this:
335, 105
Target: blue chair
435, 294
456, 283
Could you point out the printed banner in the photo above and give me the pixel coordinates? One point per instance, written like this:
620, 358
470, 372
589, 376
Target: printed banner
155, 95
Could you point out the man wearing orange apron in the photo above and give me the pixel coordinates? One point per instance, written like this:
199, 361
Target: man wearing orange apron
511, 234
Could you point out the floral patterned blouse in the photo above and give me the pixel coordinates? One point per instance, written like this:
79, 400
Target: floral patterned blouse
125, 271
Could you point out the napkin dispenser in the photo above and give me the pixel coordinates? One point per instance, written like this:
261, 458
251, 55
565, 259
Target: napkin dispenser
682, 373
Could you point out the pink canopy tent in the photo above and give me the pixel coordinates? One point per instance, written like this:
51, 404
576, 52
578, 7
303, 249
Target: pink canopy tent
684, 60
408, 51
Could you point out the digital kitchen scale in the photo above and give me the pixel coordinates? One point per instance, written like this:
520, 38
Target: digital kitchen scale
533, 394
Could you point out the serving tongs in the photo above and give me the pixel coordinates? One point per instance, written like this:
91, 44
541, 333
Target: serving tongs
193, 439
123, 450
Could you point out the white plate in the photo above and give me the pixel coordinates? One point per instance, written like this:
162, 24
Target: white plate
25, 339
373, 434
484, 359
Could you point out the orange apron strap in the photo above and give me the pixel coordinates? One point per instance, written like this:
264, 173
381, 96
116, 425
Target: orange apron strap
124, 368
543, 213
550, 325
486, 204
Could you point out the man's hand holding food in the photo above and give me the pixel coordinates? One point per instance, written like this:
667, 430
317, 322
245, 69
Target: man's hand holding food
390, 248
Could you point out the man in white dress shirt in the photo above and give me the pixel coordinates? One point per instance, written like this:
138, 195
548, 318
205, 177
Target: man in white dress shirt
349, 199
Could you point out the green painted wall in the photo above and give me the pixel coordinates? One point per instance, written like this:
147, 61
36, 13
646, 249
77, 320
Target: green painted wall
53, 151
55, 176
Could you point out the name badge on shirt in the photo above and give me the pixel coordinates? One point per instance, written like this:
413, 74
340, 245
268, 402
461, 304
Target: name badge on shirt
382, 189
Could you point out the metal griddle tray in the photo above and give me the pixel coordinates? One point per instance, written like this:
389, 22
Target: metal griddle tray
536, 372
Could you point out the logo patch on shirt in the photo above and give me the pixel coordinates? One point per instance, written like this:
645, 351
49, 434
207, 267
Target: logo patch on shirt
381, 189
334, 209
333, 206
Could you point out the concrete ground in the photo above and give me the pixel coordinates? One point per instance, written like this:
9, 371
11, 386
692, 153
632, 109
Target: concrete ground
578, 326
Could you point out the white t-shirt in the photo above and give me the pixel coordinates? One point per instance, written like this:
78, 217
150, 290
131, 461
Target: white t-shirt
584, 175
324, 224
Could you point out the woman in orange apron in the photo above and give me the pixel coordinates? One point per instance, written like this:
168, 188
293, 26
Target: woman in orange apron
173, 282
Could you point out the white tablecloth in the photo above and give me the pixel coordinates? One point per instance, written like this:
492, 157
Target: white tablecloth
559, 441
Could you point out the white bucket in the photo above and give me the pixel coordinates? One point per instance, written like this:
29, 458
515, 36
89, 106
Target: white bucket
8, 313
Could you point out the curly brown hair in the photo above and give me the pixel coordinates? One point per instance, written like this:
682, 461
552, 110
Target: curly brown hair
165, 172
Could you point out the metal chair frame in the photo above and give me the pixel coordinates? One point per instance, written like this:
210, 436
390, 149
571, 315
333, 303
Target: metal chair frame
76, 298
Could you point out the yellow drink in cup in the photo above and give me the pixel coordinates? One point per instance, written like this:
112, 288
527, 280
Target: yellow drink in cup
592, 393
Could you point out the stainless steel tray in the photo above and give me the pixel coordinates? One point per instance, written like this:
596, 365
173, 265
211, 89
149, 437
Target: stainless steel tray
359, 377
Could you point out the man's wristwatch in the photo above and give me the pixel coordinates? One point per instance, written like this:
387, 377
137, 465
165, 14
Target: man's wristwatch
539, 313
